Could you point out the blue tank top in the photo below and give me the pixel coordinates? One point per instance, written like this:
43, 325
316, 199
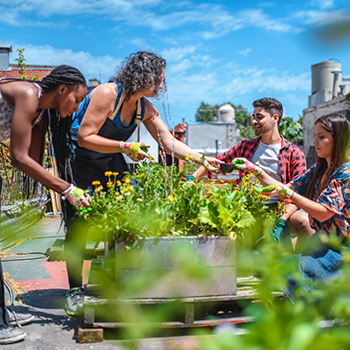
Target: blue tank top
89, 165
115, 117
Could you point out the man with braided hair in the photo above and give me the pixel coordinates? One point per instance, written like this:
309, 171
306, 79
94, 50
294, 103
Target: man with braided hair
24, 116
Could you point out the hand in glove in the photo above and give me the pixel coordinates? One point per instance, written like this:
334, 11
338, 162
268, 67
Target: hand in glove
245, 165
135, 150
77, 197
276, 190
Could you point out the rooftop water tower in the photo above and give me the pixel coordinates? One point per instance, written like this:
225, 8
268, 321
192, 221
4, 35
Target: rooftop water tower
226, 114
323, 77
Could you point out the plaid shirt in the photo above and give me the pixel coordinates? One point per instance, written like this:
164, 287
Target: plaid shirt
291, 158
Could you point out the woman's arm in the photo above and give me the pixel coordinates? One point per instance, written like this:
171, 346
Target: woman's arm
316, 210
25, 150
157, 128
101, 106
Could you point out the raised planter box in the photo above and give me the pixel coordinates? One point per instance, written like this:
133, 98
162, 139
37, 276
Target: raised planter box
175, 267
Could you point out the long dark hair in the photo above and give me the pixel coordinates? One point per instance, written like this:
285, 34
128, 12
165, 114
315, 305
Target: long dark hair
60, 127
141, 70
339, 127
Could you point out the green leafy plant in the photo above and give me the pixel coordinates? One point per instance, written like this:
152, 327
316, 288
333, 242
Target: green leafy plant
163, 204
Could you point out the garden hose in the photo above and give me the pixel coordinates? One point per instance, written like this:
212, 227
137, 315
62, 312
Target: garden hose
43, 255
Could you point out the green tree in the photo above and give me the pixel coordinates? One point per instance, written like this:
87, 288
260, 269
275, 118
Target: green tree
291, 130
208, 113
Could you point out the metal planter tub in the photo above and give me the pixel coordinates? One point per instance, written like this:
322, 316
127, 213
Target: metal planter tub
175, 267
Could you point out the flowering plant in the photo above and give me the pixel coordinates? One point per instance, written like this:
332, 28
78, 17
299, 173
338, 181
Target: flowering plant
156, 201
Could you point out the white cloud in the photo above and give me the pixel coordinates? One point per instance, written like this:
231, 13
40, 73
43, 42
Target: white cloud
214, 20
243, 19
235, 83
100, 67
177, 54
323, 4
267, 4
323, 18
245, 52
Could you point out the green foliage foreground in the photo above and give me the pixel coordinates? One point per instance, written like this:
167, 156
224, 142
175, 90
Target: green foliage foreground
162, 209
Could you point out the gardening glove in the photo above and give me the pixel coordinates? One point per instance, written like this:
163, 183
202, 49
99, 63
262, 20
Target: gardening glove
135, 150
77, 197
277, 190
276, 231
246, 165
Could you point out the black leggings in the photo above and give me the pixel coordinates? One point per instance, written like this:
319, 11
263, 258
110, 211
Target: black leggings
4, 320
74, 249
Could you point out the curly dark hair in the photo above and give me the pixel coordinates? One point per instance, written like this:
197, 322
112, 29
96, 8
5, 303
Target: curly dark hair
141, 70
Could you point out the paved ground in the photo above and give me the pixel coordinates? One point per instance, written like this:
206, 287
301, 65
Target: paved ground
40, 287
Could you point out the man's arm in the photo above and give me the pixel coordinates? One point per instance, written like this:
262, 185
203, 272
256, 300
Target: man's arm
225, 157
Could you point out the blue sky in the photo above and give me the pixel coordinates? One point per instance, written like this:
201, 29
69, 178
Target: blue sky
216, 51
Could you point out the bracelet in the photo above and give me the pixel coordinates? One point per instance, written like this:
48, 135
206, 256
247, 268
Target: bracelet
190, 178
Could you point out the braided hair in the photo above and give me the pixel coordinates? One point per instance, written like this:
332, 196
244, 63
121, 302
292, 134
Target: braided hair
60, 127
62, 75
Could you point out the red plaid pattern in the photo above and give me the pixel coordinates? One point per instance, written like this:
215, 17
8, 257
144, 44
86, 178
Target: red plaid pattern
292, 160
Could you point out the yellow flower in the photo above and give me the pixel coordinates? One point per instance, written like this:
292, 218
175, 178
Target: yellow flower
158, 194
127, 180
110, 184
118, 183
171, 197
210, 191
187, 158
115, 173
130, 188
265, 198
108, 173
125, 189
96, 182
101, 187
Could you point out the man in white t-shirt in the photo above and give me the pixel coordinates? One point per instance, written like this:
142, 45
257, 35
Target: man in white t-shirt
281, 159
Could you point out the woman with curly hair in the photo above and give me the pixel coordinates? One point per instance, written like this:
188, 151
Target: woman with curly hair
106, 119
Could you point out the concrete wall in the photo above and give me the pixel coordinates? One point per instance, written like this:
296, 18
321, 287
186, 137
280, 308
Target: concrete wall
310, 115
202, 136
